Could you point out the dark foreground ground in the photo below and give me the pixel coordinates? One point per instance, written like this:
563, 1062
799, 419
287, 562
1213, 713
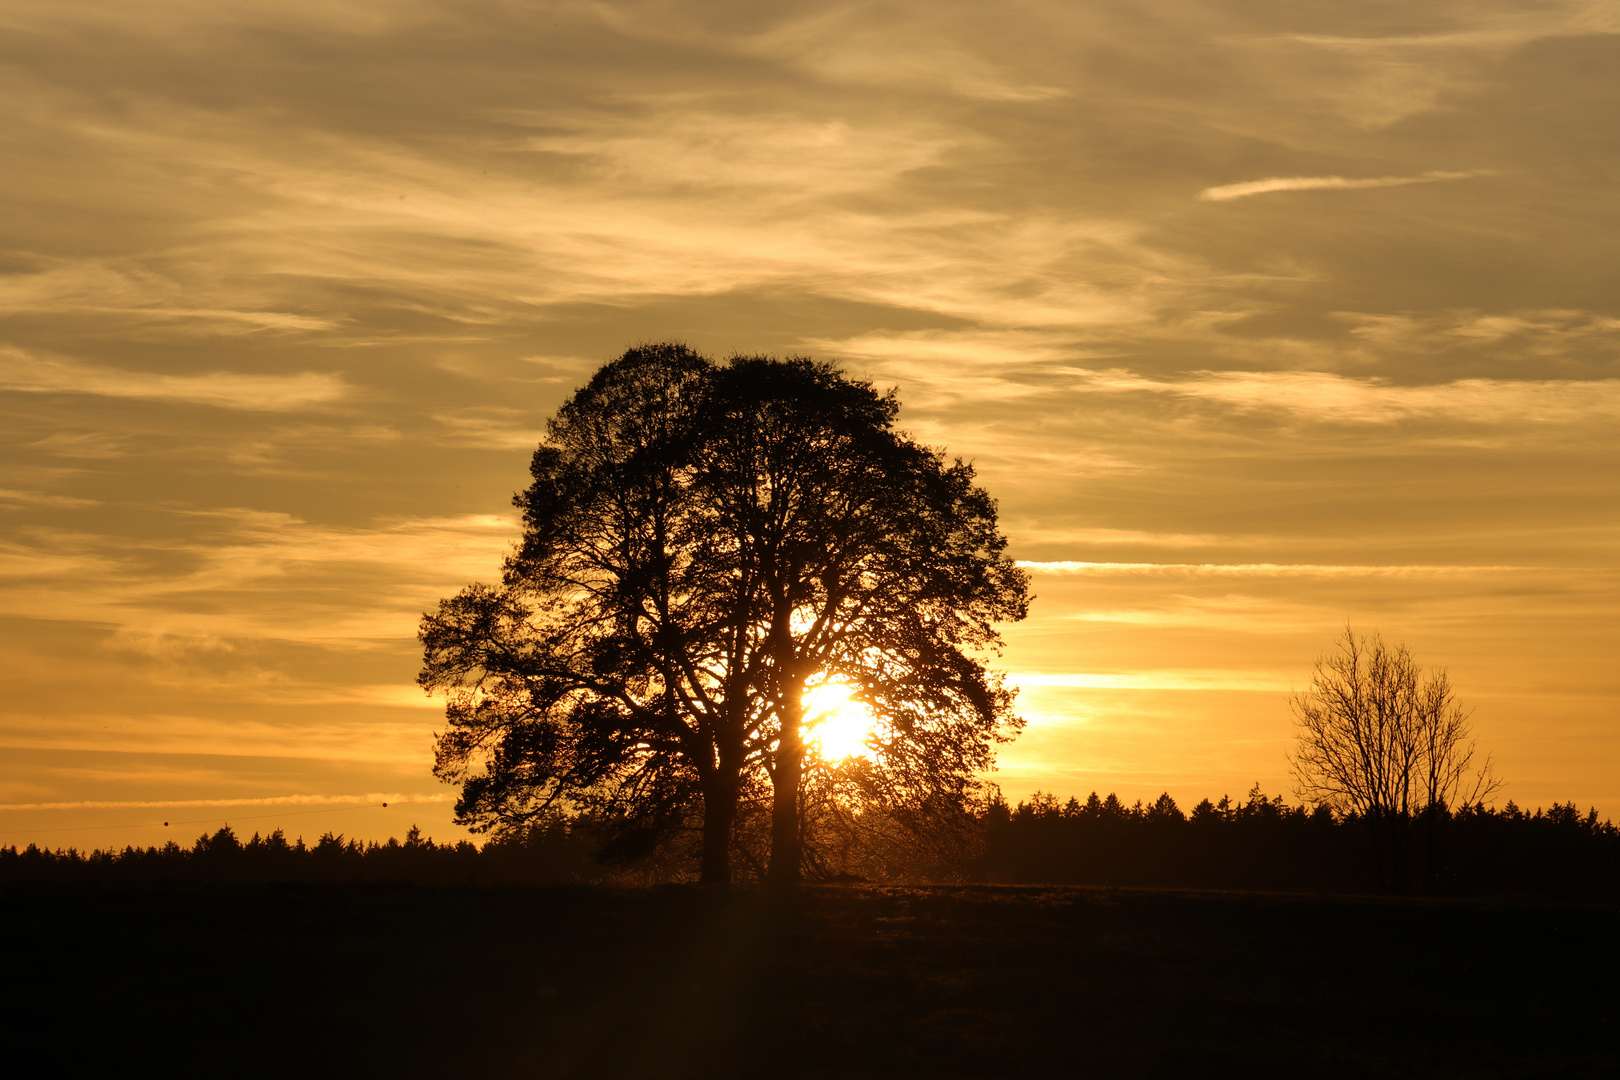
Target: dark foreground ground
679, 982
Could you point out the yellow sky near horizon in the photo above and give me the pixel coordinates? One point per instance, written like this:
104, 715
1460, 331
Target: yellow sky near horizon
1256, 319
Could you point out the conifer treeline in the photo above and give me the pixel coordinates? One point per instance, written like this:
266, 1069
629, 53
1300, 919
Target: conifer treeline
1257, 843
550, 853
1261, 843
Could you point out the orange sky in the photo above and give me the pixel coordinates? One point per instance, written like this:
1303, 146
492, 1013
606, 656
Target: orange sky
1257, 319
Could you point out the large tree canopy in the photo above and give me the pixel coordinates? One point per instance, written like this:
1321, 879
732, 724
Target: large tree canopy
604, 672
701, 543
878, 566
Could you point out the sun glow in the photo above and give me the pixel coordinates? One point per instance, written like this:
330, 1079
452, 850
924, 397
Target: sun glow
837, 724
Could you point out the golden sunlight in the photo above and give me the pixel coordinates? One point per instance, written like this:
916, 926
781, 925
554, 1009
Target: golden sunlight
838, 724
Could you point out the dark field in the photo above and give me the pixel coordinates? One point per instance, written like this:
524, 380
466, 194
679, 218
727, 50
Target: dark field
675, 982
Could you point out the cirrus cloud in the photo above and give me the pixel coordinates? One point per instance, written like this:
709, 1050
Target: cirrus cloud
1271, 184
252, 392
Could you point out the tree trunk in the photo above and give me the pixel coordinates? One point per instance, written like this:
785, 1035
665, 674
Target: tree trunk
719, 814
1403, 853
1391, 833
787, 846
1383, 849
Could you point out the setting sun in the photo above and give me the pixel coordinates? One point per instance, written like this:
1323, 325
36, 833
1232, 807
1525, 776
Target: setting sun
838, 724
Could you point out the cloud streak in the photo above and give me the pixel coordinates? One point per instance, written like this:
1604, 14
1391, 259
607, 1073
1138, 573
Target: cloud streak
258, 576
1152, 680
1263, 570
31, 374
1272, 184
375, 797
1329, 397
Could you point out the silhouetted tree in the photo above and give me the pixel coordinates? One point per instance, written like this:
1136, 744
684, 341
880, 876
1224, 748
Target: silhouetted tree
1380, 741
701, 545
612, 669
878, 566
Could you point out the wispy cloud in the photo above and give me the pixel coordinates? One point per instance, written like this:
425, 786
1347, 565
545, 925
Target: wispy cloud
159, 293
1152, 680
1333, 398
222, 389
492, 426
897, 48
1263, 570
1529, 335
82, 444
42, 498
1034, 533
260, 718
368, 799
256, 576
1227, 192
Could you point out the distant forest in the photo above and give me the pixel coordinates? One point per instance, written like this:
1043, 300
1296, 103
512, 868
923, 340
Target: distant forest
1258, 843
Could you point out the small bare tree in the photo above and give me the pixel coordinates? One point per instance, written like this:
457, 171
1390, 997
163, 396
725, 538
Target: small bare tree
1380, 741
